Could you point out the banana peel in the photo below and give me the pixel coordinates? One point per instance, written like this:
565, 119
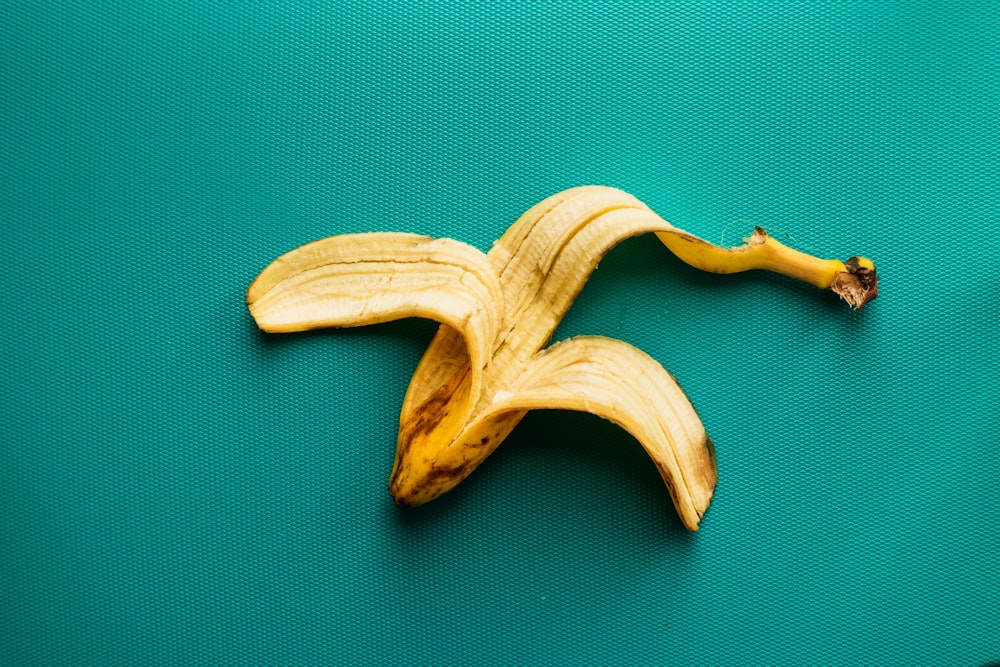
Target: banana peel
488, 364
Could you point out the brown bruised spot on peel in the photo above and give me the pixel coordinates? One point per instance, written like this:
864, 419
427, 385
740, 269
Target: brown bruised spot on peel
858, 283
440, 479
420, 424
429, 414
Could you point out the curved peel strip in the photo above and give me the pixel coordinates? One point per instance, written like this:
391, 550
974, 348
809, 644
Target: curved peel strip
358, 279
614, 380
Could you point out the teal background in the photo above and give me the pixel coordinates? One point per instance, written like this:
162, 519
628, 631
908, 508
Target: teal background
178, 488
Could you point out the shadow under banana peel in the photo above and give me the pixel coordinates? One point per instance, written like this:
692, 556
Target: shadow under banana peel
488, 364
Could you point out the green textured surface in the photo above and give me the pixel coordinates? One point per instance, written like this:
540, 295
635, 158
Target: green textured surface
176, 487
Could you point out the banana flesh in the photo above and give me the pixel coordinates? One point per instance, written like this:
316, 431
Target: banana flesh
488, 363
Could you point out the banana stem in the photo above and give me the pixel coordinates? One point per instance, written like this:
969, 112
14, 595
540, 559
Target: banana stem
855, 280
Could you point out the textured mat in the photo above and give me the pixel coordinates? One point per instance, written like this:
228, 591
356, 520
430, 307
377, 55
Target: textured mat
177, 488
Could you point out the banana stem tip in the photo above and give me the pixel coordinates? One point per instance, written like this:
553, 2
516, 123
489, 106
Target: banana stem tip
857, 284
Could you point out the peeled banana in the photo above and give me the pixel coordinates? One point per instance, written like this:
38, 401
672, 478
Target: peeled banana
488, 363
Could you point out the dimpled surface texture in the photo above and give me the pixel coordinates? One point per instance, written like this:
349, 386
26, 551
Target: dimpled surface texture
178, 488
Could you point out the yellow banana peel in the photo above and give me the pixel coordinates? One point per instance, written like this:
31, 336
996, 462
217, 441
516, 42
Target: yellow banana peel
488, 363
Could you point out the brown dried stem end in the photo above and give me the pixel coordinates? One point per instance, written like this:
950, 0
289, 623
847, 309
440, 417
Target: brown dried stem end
857, 284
